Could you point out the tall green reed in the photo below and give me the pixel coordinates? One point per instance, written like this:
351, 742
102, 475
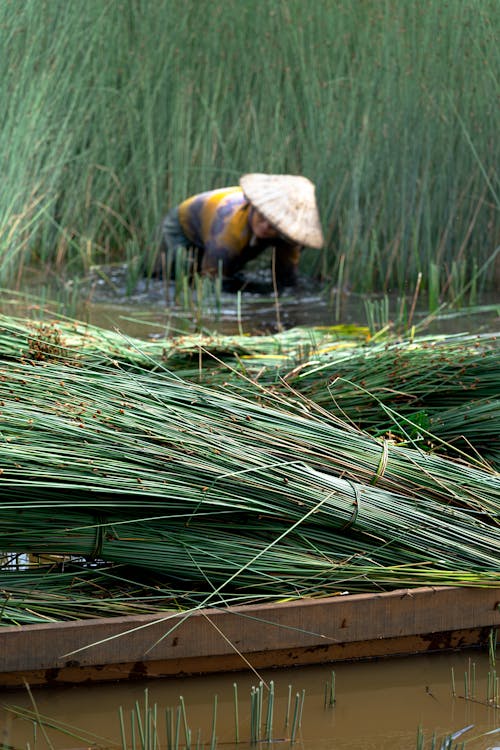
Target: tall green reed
117, 111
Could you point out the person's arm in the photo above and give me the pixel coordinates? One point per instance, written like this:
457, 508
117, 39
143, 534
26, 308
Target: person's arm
287, 264
216, 256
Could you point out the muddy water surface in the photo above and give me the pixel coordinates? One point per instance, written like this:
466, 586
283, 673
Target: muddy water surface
251, 314
151, 309
378, 706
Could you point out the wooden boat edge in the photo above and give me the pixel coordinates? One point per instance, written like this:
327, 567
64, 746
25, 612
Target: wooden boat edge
301, 632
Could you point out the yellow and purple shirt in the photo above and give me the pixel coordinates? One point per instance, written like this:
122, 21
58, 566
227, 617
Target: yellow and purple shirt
218, 223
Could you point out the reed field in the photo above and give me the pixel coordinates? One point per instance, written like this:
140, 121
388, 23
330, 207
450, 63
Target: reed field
113, 112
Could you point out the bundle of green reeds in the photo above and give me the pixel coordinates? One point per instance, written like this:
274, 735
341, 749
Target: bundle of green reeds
59, 340
408, 390
243, 491
447, 388
212, 489
109, 431
434, 373
472, 428
384, 541
35, 591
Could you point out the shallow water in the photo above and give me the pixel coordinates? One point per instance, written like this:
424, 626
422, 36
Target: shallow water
151, 309
378, 705
145, 313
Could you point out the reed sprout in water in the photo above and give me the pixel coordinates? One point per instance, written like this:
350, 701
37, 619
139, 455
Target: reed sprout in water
148, 726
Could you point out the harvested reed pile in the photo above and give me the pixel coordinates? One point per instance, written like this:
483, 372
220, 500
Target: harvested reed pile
75, 342
243, 491
411, 390
108, 431
431, 374
445, 388
391, 541
222, 493
77, 591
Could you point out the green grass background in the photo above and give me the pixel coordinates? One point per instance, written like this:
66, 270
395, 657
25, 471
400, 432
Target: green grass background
114, 110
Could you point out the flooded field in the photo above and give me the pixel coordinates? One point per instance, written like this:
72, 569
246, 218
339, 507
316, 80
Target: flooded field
254, 313
151, 309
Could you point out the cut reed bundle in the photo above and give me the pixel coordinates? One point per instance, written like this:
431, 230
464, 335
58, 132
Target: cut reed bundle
427, 373
446, 387
472, 427
391, 541
403, 389
152, 437
77, 591
212, 490
70, 340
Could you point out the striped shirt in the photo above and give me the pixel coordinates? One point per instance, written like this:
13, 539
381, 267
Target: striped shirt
217, 222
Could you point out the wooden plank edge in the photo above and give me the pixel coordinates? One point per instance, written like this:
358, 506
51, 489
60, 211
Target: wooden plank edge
191, 666
330, 627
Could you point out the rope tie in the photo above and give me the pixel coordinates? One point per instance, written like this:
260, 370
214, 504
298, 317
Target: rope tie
382, 464
357, 506
99, 538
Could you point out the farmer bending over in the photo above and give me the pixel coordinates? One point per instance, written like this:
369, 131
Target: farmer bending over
231, 226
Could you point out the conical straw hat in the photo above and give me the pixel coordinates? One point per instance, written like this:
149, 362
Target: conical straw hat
289, 203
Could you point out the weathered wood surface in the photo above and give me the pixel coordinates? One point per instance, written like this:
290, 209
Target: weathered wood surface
301, 632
